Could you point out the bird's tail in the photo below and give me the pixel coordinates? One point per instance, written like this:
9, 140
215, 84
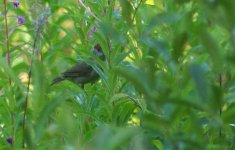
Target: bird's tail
57, 80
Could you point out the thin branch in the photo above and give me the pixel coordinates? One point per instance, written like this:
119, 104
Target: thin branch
136, 10
9, 63
109, 44
7, 38
28, 84
110, 51
220, 109
39, 28
89, 10
13, 130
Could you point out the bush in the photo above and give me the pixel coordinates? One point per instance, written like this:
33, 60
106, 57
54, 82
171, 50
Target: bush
167, 82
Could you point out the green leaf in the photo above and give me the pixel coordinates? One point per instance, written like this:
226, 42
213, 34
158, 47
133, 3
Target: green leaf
11, 74
122, 96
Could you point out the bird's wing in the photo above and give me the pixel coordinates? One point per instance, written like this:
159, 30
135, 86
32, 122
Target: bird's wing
81, 69
57, 80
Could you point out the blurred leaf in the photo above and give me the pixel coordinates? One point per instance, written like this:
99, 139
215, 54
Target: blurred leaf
153, 122
178, 44
46, 112
113, 138
122, 112
159, 144
157, 47
142, 41
120, 56
198, 75
227, 115
213, 50
126, 10
163, 19
112, 32
136, 76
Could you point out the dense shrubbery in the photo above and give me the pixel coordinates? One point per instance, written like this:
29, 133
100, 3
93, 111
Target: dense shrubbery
167, 82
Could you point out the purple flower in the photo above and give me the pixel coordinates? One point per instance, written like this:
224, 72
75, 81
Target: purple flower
9, 140
16, 4
20, 19
93, 29
90, 35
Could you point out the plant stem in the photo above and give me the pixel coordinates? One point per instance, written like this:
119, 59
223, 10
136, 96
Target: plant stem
7, 38
136, 10
13, 130
9, 63
28, 84
110, 51
88, 10
220, 109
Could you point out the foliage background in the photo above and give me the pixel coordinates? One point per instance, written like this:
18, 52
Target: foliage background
167, 83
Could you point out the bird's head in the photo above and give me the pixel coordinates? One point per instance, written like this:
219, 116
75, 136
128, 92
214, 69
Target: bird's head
98, 51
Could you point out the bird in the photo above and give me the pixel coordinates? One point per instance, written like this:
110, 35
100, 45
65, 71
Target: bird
81, 73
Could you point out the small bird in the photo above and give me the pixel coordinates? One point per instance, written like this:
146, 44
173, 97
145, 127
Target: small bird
81, 73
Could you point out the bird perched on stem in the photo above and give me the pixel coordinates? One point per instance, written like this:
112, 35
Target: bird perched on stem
81, 73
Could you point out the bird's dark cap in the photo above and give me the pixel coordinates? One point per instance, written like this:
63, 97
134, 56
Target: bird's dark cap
98, 47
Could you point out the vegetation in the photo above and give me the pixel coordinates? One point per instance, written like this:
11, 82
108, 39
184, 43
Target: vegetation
167, 82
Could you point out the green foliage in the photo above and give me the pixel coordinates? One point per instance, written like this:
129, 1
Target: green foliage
167, 82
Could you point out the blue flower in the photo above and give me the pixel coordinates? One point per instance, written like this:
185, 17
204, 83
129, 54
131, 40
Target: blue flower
20, 19
93, 29
16, 4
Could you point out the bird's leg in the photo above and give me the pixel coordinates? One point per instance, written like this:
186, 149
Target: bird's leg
82, 86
